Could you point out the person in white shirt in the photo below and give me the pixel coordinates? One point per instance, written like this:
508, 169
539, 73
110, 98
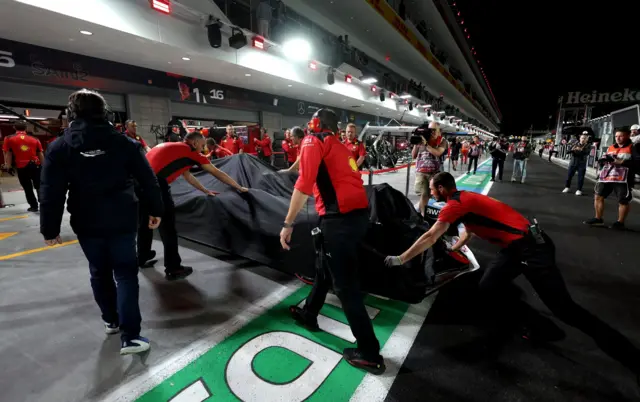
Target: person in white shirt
635, 133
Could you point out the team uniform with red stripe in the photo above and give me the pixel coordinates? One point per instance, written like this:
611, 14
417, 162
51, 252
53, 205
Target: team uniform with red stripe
485, 217
329, 172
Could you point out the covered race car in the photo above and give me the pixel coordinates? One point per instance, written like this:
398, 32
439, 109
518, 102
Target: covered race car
248, 225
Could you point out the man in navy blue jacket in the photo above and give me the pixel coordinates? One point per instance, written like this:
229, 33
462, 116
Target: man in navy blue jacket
97, 165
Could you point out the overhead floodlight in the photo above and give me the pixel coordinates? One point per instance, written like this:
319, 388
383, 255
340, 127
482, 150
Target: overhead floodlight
331, 78
313, 65
237, 40
374, 89
297, 49
406, 96
348, 78
369, 80
426, 106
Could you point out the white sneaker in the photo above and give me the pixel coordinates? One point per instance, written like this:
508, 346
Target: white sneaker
566, 190
578, 192
111, 329
136, 345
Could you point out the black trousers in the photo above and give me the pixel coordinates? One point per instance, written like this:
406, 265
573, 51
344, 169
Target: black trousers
497, 163
538, 264
29, 178
473, 160
581, 169
167, 229
341, 238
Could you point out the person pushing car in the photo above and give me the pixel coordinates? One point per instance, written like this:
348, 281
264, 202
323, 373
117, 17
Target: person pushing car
169, 161
329, 172
526, 250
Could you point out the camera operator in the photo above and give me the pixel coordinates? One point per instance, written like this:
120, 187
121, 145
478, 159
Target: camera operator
617, 175
428, 146
329, 172
579, 155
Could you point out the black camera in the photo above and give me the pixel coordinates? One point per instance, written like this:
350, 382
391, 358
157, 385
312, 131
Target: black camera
420, 135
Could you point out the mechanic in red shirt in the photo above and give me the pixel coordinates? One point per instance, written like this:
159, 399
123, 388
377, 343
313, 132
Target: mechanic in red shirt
131, 132
356, 147
290, 149
232, 142
526, 249
215, 150
169, 161
26, 152
330, 174
266, 151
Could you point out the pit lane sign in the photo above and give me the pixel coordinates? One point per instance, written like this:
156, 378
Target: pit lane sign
273, 359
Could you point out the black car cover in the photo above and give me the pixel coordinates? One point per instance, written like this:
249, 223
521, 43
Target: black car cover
249, 225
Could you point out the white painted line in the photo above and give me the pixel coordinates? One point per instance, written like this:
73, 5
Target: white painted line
375, 388
150, 378
195, 392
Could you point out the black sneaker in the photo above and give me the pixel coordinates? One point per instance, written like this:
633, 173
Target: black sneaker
147, 261
179, 273
32, 209
356, 358
617, 226
594, 222
303, 318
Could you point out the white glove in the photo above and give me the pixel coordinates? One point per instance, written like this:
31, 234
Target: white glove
393, 261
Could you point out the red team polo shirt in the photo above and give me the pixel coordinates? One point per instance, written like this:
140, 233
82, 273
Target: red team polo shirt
25, 148
265, 145
219, 152
232, 144
291, 150
486, 217
329, 172
356, 147
171, 159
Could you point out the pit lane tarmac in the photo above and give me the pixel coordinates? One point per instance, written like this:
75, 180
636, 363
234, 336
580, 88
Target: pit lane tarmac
53, 348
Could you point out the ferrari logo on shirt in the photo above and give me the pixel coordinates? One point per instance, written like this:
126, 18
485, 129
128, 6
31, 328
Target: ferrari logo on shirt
22, 137
24, 148
353, 164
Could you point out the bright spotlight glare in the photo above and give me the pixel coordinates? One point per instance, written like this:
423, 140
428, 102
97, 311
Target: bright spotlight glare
297, 49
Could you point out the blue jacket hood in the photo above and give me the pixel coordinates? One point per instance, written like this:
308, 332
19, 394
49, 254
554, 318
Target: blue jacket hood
85, 135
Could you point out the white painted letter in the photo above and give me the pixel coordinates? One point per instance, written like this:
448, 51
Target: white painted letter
249, 387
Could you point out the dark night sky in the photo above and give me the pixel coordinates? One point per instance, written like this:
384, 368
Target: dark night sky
534, 51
